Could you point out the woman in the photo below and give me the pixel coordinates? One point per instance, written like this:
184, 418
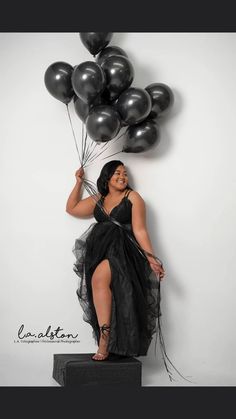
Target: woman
118, 288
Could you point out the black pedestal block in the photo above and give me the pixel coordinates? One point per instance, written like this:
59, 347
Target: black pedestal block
74, 370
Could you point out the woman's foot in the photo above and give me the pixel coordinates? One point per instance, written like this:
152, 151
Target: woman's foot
102, 352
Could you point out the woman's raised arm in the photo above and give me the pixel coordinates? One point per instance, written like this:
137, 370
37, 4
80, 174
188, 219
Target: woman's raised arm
77, 206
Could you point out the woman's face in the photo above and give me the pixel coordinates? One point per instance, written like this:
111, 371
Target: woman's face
119, 179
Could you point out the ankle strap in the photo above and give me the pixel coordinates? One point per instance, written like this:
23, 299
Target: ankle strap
104, 328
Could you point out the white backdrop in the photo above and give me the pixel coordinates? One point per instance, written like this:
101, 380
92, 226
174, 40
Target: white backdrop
188, 184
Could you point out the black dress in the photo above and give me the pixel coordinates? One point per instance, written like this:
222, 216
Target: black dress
134, 286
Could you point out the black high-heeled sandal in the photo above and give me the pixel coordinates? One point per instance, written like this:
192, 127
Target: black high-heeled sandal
104, 328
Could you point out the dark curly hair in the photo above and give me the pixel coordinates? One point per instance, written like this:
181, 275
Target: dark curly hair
106, 173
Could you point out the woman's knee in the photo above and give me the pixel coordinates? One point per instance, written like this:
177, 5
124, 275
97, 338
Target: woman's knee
102, 275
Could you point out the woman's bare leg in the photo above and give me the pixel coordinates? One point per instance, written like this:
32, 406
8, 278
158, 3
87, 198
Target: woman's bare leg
102, 298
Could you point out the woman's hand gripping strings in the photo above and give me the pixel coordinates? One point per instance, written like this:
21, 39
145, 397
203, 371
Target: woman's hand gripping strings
79, 175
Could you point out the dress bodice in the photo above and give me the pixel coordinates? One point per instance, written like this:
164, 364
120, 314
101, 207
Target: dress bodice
122, 212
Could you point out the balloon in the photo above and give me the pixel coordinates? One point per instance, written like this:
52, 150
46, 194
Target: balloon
95, 41
102, 123
83, 108
88, 80
162, 98
141, 137
108, 52
134, 105
57, 80
119, 74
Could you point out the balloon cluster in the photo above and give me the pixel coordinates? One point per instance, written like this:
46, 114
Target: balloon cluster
104, 99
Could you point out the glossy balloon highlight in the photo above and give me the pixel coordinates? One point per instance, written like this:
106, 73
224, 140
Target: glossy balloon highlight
57, 80
102, 123
162, 98
134, 105
119, 74
141, 137
95, 41
109, 52
88, 81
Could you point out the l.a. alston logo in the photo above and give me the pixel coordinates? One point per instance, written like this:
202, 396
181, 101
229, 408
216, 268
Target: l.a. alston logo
50, 334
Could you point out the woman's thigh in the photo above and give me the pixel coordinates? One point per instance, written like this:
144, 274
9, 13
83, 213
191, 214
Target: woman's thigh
102, 275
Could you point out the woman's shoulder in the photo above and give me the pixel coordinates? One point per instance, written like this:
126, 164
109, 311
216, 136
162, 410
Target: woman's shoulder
134, 196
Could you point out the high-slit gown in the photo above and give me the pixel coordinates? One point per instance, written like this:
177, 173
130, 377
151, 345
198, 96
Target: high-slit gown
134, 286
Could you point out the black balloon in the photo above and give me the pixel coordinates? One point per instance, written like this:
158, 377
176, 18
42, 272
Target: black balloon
57, 80
95, 41
141, 137
109, 52
102, 123
134, 105
162, 98
88, 81
119, 74
83, 108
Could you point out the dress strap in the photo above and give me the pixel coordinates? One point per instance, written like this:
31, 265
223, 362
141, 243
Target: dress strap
127, 192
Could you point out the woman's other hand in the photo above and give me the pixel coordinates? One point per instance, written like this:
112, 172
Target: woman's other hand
157, 268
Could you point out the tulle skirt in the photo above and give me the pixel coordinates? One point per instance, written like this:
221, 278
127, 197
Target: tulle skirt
134, 286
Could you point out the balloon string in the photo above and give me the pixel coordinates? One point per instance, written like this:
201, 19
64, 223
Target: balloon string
117, 152
121, 135
67, 107
95, 154
83, 143
105, 144
87, 148
101, 152
111, 142
95, 157
165, 357
92, 148
106, 157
